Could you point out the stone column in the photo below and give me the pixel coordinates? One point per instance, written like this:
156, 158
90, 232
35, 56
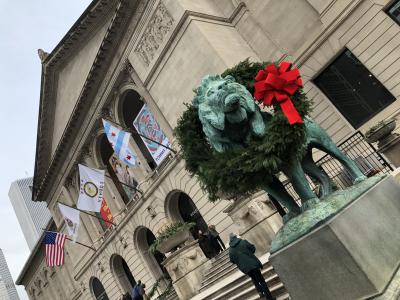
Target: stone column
257, 219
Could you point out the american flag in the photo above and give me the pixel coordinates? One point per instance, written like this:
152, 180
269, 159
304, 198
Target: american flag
54, 243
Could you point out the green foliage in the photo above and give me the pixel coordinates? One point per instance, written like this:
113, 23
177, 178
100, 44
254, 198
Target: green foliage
243, 171
169, 231
377, 126
154, 288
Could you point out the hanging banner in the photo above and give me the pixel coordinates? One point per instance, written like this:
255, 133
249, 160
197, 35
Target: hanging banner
71, 217
147, 125
105, 213
124, 173
91, 188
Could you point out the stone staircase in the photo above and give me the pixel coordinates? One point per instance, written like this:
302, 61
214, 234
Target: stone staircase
223, 281
172, 295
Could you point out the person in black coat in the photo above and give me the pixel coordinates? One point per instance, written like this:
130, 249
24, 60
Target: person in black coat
217, 242
241, 253
206, 244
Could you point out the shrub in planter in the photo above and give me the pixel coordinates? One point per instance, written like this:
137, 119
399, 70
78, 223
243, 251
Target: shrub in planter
169, 232
380, 131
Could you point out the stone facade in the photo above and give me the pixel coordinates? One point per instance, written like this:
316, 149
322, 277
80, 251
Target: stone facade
159, 50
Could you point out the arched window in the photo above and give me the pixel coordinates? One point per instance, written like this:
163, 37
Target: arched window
119, 172
97, 289
122, 273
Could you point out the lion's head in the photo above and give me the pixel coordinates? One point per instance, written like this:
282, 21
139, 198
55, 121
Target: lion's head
227, 112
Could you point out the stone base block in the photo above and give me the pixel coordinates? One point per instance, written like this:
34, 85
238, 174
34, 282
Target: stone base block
353, 255
186, 267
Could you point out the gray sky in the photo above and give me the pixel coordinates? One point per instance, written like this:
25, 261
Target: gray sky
25, 26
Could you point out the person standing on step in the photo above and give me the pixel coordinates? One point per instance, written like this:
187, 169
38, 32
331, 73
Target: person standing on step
205, 244
218, 244
241, 253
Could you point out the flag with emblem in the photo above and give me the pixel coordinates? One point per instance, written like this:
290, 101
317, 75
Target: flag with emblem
54, 248
91, 189
119, 141
105, 213
71, 218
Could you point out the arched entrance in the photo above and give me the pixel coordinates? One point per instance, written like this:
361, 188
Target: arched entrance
122, 273
144, 237
182, 208
97, 289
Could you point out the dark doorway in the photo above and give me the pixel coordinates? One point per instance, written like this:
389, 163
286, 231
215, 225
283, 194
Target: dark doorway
353, 89
190, 213
159, 257
123, 273
98, 290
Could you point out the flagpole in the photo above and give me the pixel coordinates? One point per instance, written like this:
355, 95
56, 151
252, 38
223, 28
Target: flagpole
108, 176
85, 212
143, 136
67, 238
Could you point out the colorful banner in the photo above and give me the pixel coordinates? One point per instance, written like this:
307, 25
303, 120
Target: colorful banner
105, 213
124, 173
147, 125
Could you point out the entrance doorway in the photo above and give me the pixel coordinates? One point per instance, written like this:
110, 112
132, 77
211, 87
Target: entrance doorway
122, 273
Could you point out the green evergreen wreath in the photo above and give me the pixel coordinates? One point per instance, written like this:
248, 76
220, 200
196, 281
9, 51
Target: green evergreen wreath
241, 172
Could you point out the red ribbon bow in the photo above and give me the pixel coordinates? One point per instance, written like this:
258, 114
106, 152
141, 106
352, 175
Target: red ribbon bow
272, 83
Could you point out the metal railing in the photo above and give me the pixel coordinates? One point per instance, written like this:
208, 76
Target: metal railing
369, 160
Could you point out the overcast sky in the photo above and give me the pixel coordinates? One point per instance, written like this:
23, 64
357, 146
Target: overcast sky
25, 26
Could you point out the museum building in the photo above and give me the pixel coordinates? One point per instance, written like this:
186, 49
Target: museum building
124, 56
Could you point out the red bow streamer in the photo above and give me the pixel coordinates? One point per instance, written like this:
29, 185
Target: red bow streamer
272, 83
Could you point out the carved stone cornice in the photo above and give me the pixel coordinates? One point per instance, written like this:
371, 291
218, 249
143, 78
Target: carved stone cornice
159, 25
125, 9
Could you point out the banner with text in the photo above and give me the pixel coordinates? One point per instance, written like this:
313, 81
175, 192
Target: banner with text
147, 125
91, 188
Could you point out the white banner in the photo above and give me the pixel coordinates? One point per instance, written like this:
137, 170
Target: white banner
71, 217
147, 125
91, 188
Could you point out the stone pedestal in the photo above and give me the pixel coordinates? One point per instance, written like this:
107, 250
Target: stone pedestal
257, 220
352, 255
391, 149
186, 267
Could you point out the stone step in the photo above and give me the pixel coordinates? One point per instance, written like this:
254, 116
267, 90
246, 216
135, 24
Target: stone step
215, 268
218, 274
213, 275
277, 290
244, 283
172, 295
284, 296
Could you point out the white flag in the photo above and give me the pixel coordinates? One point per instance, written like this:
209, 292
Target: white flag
119, 141
91, 188
71, 217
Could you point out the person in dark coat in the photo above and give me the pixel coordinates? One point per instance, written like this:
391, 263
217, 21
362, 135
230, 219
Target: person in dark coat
217, 242
206, 245
241, 253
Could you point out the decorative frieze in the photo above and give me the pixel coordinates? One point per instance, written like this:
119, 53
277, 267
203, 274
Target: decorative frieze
159, 25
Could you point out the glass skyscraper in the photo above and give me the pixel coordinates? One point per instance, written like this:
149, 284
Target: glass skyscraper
32, 216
